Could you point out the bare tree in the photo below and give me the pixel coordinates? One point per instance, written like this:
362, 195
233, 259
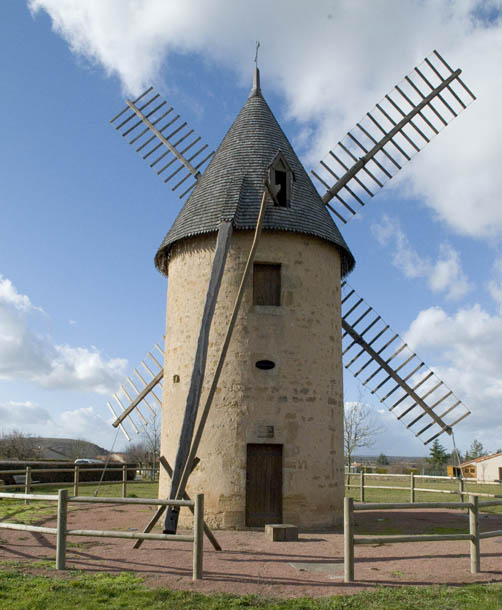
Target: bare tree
147, 450
16, 445
359, 429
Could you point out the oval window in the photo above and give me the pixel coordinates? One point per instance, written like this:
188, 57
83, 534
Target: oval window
265, 365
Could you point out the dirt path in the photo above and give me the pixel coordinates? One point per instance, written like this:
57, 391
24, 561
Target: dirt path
249, 563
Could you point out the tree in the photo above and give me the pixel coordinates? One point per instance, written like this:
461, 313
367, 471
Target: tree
437, 456
358, 429
382, 460
475, 450
16, 445
147, 450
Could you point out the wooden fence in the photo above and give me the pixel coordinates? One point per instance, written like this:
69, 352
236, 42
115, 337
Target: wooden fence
62, 532
474, 536
25, 477
411, 487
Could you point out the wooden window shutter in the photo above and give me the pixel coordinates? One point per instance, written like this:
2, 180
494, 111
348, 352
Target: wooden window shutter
266, 284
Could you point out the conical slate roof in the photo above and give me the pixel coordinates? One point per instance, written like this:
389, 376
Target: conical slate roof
231, 188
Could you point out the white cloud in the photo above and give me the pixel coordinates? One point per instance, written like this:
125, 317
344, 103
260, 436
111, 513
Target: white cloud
30, 356
331, 67
445, 275
468, 347
10, 296
87, 424
34, 420
495, 284
80, 368
19, 414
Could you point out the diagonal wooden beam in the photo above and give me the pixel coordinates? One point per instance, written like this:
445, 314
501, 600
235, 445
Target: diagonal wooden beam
160, 511
199, 368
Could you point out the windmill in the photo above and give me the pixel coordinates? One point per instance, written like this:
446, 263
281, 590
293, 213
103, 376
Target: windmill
259, 313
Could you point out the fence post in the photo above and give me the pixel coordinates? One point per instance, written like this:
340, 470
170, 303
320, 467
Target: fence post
76, 480
124, 480
348, 540
198, 536
474, 532
461, 489
61, 530
361, 483
27, 483
412, 487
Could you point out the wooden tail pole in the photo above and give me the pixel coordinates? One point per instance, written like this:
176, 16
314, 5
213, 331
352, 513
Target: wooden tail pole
224, 349
199, 367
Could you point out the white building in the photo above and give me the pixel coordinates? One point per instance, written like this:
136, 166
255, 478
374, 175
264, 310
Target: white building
485, 468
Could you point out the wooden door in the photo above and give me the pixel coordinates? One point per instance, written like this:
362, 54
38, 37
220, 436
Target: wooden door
263, 484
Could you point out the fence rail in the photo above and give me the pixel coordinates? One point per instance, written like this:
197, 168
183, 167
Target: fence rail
412, 488
62, 532
473, 537
24, 477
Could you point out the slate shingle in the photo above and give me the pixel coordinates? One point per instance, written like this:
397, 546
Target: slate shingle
231, 188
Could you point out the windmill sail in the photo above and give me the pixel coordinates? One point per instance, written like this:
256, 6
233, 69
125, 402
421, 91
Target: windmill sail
398, 127
138, 390
380, 359
163, 139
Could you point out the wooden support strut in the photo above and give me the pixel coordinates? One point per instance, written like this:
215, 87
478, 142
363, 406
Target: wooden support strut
198, 370
224, 349
383, 364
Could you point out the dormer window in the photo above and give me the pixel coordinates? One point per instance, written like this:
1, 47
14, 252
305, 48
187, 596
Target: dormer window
281, 179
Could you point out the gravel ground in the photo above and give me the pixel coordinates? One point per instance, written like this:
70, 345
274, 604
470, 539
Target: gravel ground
251, 564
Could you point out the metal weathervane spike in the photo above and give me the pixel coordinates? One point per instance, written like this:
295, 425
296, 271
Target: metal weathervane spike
388, 136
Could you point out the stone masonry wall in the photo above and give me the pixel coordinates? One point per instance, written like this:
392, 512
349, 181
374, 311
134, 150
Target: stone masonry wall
302, 397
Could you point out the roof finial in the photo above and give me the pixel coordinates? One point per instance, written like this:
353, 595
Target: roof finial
256, 80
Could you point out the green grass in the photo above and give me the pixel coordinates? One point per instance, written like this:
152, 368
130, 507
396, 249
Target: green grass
16, 511
23, 591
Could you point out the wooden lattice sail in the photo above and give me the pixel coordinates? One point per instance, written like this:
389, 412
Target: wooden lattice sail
163, 139
139, 391
388, 136
381, 360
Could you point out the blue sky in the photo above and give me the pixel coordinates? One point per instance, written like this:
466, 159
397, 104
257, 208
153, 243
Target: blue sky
82, 216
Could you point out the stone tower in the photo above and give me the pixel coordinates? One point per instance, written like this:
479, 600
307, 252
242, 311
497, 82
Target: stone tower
272, 450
